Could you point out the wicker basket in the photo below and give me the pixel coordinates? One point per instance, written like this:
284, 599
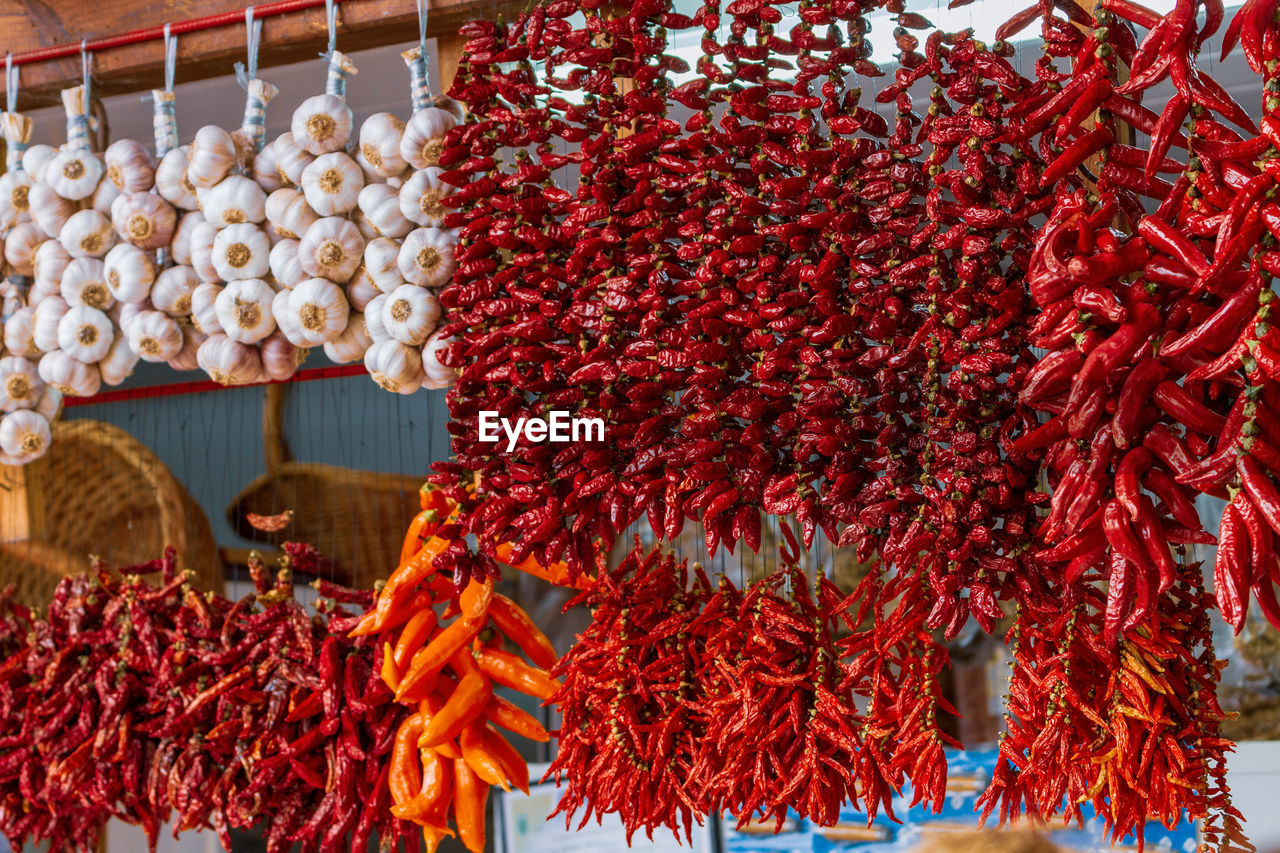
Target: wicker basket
100, 491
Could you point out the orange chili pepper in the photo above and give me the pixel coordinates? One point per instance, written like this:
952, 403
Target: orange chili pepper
427, 709
476, 753
390, 672
504, 713
404, 776
512, 621
512, 763
510, 671
399, 588
476, 598
431, 658
431, 806
469, 800
416, 533
415, 633
465, 703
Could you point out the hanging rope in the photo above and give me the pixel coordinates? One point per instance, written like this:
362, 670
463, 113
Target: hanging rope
11, 73
253, 37
331, 17
86, 70
170, 57
422, 45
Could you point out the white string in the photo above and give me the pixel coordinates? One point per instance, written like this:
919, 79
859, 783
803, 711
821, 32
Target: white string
331, 16
170, 58
422, 44
10, 83
86, 62
253, 36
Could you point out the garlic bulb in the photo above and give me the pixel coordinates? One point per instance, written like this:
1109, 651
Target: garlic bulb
367, 231
85, 334
48, 316
380, 143
266, 169
204, 312
69, 375
352, 344
426, 258
373, 319
49, 263
24, 435
19, 333
202, 237
211, 157
20, 384
41, 291
423, 140
180, 244
172, 182
322, 123
187, 357
20, 247
422, 197
11, 296
144, 219
15, 203
87, 233
124, 313
382, 263
288, 212
410, 314
241, 251
73, 173
286, 322
155, 336
332, 184
290, 158
244, 310
438, 375
35, 159
50, 403
280, 358
229, 362
129, 166
84, 282
320, 309
116, 366
48, 209
395, 366
104, 197
174, 289
234, 200
361, 290
381, 206
129, 272
285, 267
332, 248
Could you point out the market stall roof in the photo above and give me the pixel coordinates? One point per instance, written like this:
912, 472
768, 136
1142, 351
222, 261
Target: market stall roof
128, 55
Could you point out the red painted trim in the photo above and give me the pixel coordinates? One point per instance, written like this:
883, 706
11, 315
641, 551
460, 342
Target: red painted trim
177, 389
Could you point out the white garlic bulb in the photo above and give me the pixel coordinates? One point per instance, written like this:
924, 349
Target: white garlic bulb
288, 212
382, 263
69, 375
124, 313
24, 435
129, 273
266, 169
202, 237
129, 166
104, 197
320, 310
15, 202
116, 366
204, 312
19, 333
48, 209
211, 156
244, 310
280, 358
426, 257
291, 159
285, 267
42, 290
352, 344
172, 182
380, 137
88, 233
49, 263
234, 200
188, 357
373, 319
286, 322
410, 314
36, 158
155, 336
73, 173
180, 245
367, 229
20, 384
229, 362
50, 403
438, 375
173, 291
85, 334
395, 366
241, 251
422, 198
84, 282
322, 123
422, 142
144, 219
20, 247
361, 290
332, 184
332, 248
49, 314
380, 205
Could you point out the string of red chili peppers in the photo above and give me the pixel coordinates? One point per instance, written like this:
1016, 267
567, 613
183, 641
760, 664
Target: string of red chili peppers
152, 702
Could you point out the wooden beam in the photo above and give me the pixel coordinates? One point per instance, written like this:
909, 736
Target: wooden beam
32, 24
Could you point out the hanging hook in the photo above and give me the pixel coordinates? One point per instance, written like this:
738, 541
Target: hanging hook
422, 45
170, 57
331, 17
10, 83
253, 37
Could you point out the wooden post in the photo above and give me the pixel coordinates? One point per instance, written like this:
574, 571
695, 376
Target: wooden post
22, 502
